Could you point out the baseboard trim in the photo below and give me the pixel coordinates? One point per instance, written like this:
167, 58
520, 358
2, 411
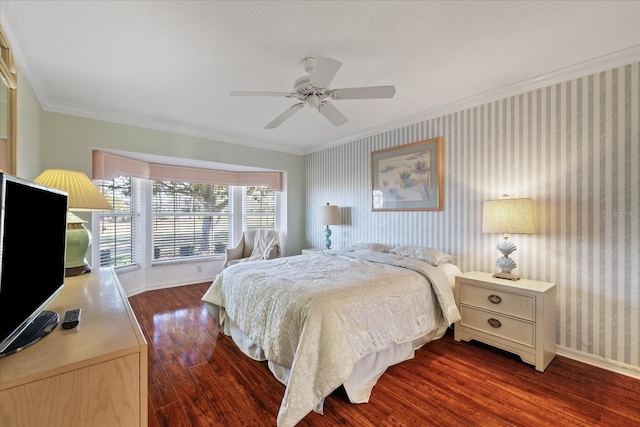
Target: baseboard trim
599, 362
167, 285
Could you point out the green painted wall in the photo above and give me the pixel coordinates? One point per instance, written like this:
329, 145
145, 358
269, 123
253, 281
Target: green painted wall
29, 153
68, 141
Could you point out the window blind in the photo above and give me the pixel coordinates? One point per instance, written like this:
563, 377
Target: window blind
190, 219
258, 207
119, 228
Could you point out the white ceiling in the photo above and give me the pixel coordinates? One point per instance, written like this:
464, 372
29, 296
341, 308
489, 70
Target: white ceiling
171, 65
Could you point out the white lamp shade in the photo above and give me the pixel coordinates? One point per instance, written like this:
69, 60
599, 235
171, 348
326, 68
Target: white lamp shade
83, 194
328, 215
508, 216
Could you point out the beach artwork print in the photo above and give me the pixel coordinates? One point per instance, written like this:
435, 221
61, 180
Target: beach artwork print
408, 177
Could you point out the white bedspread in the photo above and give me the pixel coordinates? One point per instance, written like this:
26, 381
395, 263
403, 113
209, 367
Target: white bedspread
320, 313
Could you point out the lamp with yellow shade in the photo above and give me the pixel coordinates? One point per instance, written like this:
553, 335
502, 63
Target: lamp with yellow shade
84, 196
507, 216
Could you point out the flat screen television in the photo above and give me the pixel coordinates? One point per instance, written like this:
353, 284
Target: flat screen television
33, 225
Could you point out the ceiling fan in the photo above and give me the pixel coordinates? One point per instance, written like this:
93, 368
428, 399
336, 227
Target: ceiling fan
313, 90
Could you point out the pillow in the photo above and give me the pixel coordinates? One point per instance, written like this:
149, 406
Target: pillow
379, 247
430, 255
451, 270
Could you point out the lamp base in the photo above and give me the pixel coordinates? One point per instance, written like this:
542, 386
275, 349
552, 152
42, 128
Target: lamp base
327, 241
78, 242
77, 271
504, 275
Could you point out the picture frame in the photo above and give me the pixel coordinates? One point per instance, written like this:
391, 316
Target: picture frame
408, 177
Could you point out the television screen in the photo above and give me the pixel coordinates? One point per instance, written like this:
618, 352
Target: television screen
33, 222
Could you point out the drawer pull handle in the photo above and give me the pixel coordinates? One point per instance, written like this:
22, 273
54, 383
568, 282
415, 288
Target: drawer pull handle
495, 323
495, 299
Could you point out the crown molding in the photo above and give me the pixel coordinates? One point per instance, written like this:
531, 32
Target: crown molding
13, 27
586, 68
161, 126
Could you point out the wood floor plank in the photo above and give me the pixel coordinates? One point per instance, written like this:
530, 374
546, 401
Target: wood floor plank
198, 377
151, 415
172, 415
160, 389
200, 411
237, 412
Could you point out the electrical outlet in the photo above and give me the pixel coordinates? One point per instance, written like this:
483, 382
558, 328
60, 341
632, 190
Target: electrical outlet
199, 269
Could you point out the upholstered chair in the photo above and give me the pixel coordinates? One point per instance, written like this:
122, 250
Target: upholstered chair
267, 246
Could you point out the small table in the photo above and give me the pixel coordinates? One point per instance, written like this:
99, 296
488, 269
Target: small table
312, 250
516, 316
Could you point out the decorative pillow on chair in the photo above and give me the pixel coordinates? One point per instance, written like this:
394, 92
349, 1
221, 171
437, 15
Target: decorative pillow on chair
430, 255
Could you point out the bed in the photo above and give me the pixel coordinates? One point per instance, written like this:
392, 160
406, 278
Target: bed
332, 318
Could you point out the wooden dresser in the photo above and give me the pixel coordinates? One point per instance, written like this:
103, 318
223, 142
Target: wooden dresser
516, 316
92, 375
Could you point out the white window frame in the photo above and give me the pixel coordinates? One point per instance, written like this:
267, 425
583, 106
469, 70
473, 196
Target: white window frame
142, 199
155, 259
136, 228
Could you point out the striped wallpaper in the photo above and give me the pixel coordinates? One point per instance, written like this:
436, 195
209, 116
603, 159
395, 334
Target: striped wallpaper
573, 148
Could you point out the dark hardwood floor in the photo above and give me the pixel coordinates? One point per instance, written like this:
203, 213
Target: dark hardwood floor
197, 377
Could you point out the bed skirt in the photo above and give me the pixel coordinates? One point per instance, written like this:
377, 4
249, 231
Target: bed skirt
366, 371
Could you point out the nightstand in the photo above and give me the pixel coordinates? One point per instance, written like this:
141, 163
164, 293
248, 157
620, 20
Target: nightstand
312, 250
516, 316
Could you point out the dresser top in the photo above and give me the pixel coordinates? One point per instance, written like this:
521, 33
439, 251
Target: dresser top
108, 329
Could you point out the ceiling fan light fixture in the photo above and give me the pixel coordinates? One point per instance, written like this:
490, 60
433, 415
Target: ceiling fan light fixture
308, 63
313, 100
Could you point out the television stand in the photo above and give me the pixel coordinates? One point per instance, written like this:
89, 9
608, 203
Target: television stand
39, 328
95, 374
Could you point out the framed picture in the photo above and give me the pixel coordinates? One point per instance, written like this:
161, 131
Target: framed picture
408, 177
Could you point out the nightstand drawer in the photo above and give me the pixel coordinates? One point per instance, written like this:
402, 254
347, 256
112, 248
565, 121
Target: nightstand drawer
493, 323
522, 306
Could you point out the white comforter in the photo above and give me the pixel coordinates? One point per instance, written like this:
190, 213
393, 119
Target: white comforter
320, 313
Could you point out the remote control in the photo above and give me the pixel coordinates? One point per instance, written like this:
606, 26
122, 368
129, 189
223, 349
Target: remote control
71, 318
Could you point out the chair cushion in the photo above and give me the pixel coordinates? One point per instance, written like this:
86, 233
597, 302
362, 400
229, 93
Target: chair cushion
249, 239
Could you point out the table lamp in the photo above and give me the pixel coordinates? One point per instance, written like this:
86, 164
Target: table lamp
328, 215
507, 216
83, 197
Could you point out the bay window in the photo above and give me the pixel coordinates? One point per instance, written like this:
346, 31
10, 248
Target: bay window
186, 220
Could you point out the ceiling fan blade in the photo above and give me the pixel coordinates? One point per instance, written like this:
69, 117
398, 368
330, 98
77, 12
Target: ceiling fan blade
332, 114
364, 92
250, 93
284, 116
324, 71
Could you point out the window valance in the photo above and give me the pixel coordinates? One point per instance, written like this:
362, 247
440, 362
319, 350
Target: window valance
108, 165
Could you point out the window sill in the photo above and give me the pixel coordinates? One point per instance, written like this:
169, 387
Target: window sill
197, 260
127, 268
